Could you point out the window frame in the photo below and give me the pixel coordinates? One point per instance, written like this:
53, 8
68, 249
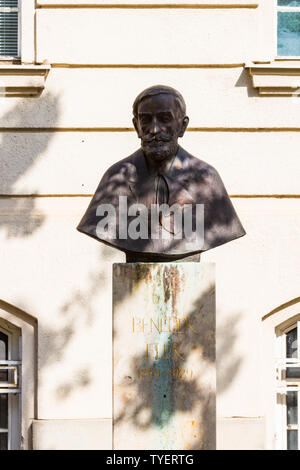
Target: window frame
26, 36
7, 333
285, 384
277, 9
18, 56
14, 395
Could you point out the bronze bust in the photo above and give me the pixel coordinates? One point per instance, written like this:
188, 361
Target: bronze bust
161, 203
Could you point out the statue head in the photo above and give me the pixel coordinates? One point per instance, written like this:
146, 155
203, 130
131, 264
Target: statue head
159, 120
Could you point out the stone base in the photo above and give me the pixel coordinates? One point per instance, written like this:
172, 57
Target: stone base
71, 434
164, 380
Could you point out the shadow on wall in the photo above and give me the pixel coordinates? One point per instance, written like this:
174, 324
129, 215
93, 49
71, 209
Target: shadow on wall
245, 81
19, 151
228, 363
77, 315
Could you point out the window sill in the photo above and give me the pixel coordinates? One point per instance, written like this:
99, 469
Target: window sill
23, 80
277, 78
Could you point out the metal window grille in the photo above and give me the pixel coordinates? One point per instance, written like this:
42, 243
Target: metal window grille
10, 388
288, 388
9, 28
12, 384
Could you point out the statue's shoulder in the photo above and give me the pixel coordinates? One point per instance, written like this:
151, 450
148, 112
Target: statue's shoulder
124, 169
197, 168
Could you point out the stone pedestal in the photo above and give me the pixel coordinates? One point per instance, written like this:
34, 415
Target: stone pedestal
164, 377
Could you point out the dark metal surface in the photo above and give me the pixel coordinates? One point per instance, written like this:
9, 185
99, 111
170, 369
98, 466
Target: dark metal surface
163, 172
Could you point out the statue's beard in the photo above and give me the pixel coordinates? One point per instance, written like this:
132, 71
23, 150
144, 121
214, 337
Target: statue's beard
158, 148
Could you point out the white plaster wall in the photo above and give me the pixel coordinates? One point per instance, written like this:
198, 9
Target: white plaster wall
126, 36
71, 434
241, 433
103, 97
250, 163
264, 261
63, 279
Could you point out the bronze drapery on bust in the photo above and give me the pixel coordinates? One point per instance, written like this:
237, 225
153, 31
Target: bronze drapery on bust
161, 203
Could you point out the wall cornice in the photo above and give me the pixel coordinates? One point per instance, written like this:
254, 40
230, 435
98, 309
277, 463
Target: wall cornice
136, 4
277, 78
23, 80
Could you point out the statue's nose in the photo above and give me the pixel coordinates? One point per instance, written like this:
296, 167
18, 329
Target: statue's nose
154, 128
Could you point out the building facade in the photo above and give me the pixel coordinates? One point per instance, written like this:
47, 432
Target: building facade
69, 73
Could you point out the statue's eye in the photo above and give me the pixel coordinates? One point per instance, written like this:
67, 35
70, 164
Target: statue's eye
165, 117
145, 119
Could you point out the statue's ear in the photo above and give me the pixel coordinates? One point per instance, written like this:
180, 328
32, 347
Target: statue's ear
184, 125
134, 120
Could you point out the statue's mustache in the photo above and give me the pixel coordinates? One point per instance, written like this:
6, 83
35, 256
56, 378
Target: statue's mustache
149, 138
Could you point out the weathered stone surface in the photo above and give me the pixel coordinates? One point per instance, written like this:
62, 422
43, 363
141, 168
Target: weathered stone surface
164, 356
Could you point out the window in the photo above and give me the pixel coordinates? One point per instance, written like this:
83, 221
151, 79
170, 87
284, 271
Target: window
9, 29
19, 75
3, 396
288, 28
288, 379
10, 430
